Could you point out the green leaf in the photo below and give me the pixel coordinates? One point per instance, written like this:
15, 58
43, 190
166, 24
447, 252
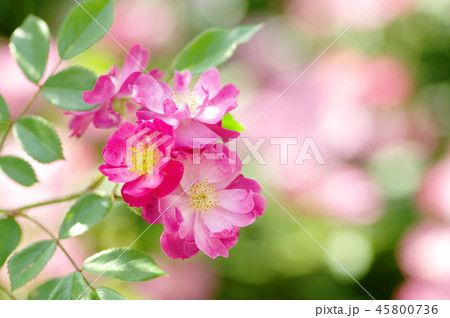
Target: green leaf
24, 265
10, 234
85, 24
43, 291
125, 264
29, 45
228, 122
65, 89
84, 214
71, 287
38, 139
19, 170
212, 47
4, 115
103, 293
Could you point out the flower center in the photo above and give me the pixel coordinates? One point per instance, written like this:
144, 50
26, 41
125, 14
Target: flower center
191, 99
202, 196
143, 158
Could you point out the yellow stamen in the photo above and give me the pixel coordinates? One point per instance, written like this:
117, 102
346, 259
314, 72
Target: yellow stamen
202, 196
143, 158
192, 100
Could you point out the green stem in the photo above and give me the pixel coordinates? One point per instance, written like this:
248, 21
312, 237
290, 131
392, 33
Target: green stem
94, 185
26, 109
39, 204
7, 292
58, 242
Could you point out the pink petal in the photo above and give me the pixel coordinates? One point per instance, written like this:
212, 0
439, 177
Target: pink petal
236, 200
181, 81
227, 92
242, 182
187, 226
118, 174
209, 244
156, 74
218, 219
172, 110
136, 61
106, 117
138, 193
103, 91
176, 247
260, 204
214, 113
144, 114
228, 238
149, 93
219, 165
151, 213
191, 134
172, 172
115, 150
79, 124
225, 134
126, 88
171, 220
209, 81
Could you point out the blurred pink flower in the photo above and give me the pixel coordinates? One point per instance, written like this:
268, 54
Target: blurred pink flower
414, 289
350, 76
152, 23
323, 16
345, 192
434, 195
424, 253
16, 89
350, 105
187, 279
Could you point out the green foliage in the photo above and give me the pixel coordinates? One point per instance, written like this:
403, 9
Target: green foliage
228, 122
30, 45
4, 115
212, 47
24, 265
38, 139
84, 214
125, 264
103, 293
85, 24
71, 287
19, 170
43, 291
65, 89
10, 234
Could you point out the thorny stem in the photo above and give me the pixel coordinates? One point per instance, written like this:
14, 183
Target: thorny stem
7, 292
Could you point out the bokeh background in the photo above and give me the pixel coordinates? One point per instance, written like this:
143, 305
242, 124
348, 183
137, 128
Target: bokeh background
377, 104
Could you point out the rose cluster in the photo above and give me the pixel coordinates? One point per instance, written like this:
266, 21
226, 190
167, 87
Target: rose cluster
172, 161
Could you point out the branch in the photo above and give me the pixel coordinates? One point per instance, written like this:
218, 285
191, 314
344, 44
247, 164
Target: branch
27, 107
94, 185
58, 242
7, 292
